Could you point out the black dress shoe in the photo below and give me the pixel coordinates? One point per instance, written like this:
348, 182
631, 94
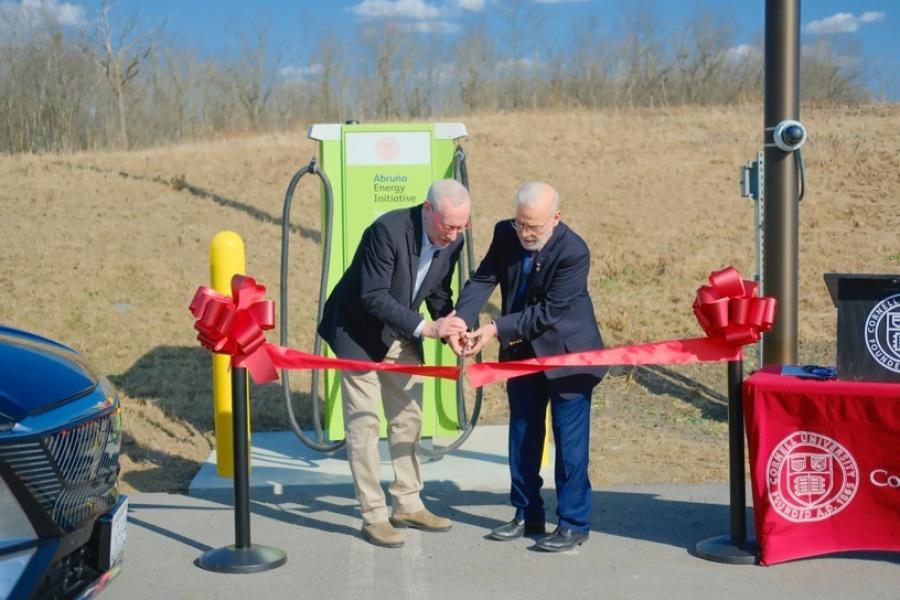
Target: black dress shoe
516, 529
562, 539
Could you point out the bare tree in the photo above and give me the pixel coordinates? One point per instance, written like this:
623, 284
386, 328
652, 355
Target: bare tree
521, 26
331, 77
701, 53
419, 72
591, 65
45, 86
179, 69
474, 64
556, 92
643, 71
832, 71
382, 47
119, 50
13, 81
254, 74
54, 98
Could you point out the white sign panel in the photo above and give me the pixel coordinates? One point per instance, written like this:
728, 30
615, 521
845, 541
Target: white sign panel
388, 148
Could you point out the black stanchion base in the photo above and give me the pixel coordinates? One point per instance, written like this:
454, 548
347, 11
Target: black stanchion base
229, 559
722, 549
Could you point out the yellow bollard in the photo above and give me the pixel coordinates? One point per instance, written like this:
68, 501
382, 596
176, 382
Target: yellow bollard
226, 258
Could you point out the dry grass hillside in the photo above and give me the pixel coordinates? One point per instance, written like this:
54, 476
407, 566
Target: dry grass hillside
103, 252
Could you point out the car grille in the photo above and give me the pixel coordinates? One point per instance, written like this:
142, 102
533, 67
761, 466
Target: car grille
72, 473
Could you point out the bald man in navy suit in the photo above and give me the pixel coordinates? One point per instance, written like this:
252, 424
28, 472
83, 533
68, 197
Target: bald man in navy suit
541, 266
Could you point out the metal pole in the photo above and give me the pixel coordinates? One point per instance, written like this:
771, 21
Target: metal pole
782, 101
241, 458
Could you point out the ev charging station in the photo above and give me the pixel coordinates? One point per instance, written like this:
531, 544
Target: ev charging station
366, 171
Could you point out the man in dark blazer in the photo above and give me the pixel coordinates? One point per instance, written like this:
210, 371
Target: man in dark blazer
404, 258
541, 267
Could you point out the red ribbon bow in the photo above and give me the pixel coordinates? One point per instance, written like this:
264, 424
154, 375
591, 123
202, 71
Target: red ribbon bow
728, 308
234, 325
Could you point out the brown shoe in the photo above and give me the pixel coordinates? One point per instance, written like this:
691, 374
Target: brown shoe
383, 534
422, 519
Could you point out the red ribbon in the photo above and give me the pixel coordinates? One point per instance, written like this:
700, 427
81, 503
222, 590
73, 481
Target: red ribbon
730, 312
728, 309
234, 325
656, 353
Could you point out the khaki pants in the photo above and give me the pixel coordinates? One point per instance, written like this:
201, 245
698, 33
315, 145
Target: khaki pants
402, 398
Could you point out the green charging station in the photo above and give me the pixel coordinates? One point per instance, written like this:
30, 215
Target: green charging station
373, 169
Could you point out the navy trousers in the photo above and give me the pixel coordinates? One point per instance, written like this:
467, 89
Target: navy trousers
570, 409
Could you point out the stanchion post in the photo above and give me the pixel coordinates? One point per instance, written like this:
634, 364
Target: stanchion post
737, 480
243, 556
734, 548
241, 458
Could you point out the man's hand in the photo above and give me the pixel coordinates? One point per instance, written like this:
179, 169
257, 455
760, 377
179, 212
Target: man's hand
458, 343
480, 337
445, 327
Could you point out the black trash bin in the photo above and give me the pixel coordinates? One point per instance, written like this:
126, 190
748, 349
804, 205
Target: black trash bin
868, 325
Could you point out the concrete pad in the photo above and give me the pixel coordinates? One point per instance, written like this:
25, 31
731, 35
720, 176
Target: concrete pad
641, 547
279, 461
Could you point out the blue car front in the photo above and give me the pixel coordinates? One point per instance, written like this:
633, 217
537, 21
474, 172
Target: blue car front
62, 519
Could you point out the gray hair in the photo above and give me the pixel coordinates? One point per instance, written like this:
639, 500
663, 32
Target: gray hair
530, 193
447, 190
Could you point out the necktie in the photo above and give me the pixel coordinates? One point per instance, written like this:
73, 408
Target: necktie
519, 299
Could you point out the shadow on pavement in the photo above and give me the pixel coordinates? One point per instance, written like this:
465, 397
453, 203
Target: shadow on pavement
168, 533
624, 514
633, 515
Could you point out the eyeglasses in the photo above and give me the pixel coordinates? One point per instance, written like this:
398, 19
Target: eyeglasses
532, 229
447, 228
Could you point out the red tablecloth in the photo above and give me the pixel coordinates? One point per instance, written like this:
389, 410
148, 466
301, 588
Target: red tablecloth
824, 464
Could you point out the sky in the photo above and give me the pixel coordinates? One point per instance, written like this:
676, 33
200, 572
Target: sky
211, 28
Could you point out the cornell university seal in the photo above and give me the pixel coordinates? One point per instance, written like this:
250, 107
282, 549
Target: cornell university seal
810, 477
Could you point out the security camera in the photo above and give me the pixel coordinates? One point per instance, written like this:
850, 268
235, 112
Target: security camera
789, 135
